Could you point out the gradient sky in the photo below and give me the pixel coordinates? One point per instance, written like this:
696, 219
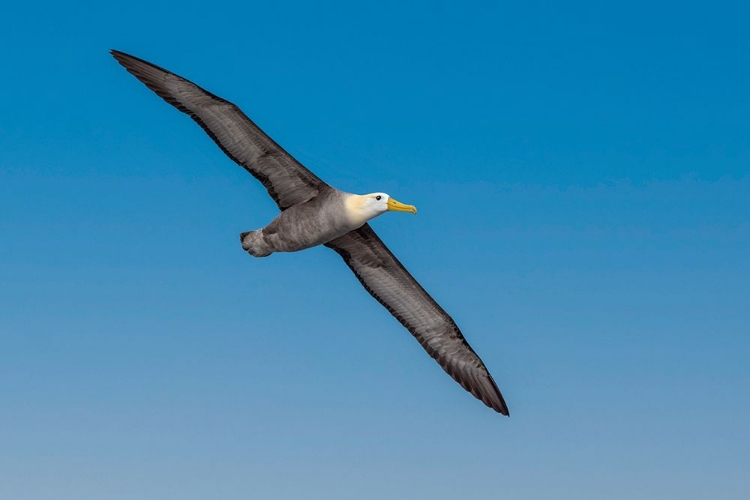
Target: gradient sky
582, 173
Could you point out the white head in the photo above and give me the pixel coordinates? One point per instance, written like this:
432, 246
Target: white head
362, 208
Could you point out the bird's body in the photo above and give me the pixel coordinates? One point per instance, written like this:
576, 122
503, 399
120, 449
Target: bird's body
325, 217
314, 213
302, 226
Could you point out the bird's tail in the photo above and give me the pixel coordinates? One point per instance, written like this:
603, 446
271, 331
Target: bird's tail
254, 244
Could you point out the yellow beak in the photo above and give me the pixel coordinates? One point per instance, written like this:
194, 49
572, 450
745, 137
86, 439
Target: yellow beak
400, 207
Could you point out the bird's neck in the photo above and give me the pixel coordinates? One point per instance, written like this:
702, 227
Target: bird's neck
357, 209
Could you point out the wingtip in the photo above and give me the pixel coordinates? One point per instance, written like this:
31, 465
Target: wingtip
128, 60
491, 396
504, 407
501, 408
121, 57
117, 54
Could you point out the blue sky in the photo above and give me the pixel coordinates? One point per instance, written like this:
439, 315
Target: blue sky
582, 173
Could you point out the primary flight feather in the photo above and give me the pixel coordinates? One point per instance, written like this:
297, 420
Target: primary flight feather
314, 213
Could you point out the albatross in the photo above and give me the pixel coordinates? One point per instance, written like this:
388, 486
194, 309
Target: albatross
314, 213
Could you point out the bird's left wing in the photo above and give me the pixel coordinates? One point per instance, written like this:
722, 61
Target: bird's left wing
391, 284
287, 180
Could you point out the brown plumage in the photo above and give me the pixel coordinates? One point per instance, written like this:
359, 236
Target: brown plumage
322, 215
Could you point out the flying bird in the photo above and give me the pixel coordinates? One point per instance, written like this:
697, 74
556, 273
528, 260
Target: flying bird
314, 213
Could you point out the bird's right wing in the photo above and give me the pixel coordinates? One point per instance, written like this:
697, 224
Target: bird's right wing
287, 181
391, 284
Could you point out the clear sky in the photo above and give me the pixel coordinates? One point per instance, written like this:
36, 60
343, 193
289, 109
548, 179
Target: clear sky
582, 172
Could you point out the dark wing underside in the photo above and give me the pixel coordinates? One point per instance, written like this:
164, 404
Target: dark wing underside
391, 284
287, 181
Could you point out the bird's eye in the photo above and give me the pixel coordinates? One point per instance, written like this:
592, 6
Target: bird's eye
378, 197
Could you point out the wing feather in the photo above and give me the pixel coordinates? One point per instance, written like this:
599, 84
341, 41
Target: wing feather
390, 283
287, 181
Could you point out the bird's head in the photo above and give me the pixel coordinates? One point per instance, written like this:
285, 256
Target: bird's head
362, 208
